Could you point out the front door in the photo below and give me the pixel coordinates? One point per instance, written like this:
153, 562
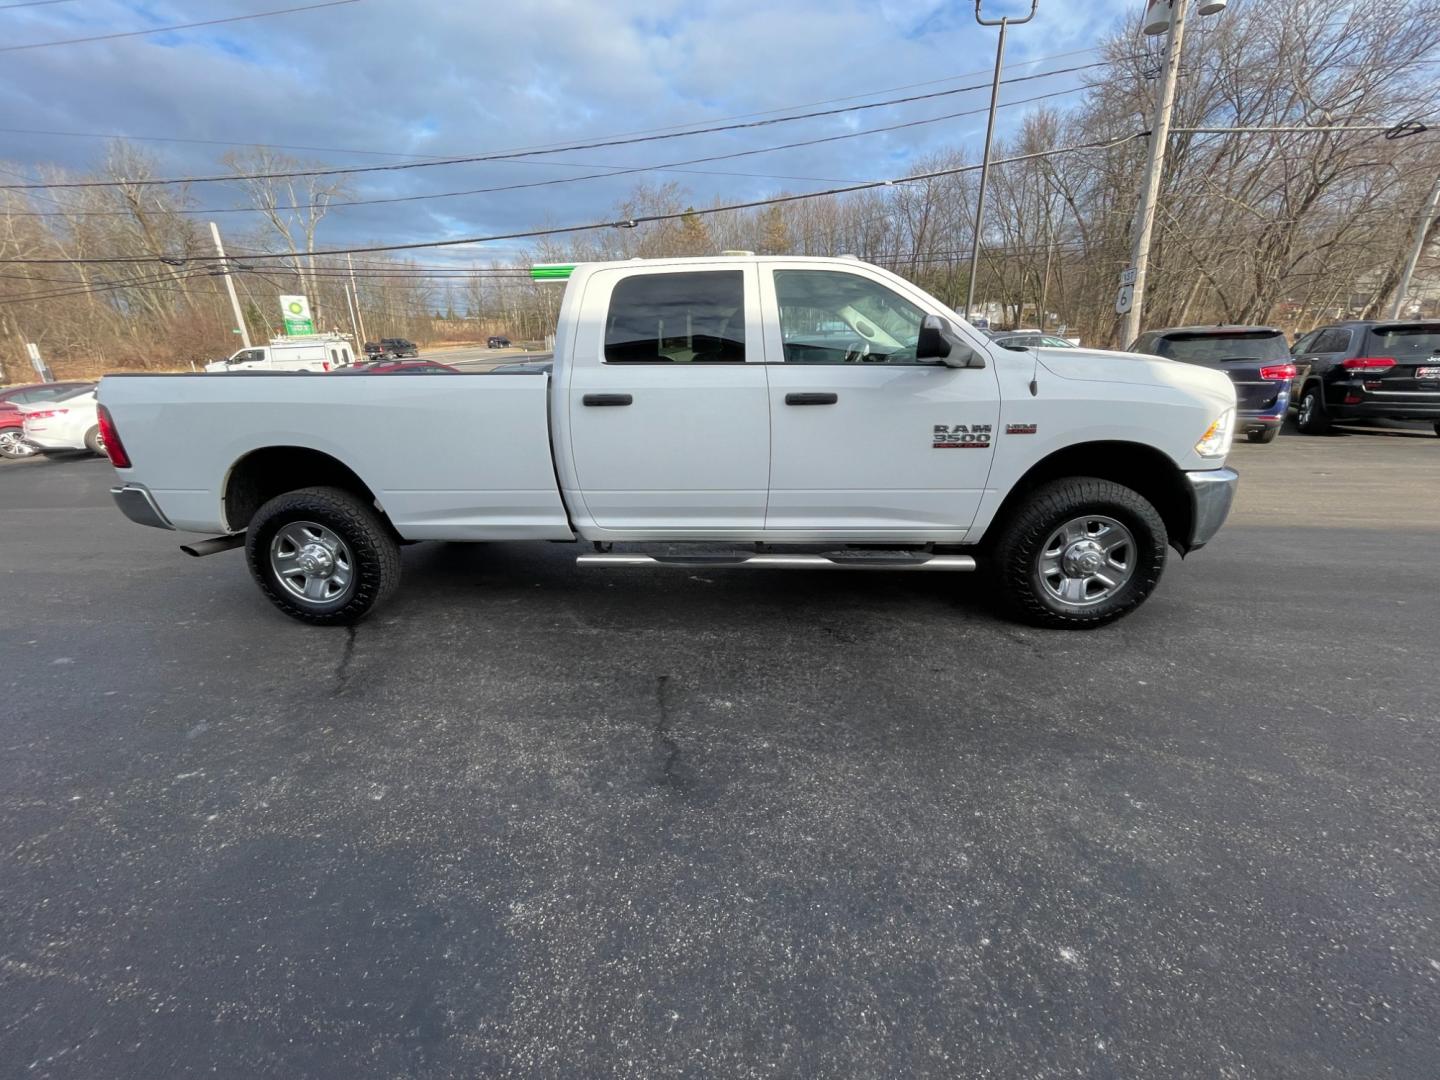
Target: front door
867, 443
669, 416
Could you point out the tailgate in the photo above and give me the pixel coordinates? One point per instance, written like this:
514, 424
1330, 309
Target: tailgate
457, 457
1415, 350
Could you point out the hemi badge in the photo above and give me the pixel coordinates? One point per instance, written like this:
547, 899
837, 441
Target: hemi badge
1019, 429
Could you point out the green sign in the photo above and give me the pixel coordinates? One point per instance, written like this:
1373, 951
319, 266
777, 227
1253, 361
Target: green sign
296, 310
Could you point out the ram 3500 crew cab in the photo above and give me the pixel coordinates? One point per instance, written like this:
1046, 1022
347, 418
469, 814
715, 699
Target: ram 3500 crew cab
794, 412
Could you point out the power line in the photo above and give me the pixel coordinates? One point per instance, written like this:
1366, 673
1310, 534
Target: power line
32, 3
178, 26
616, 170
539, 146
622, 223
503, 155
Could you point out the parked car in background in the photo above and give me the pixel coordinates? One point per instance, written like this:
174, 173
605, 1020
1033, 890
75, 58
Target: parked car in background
1255, 357
373, 350
397, 348
1031, 340
1367, 370
318, 352
399, 367
497, 341
537, 365
66, 422
12, 435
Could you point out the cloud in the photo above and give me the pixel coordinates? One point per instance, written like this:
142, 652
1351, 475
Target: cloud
402, 77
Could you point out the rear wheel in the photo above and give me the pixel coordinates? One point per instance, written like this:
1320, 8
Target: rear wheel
1437, 427
1311, 418
14, 446
1266, 436
322, 555
1079, 553
94, 441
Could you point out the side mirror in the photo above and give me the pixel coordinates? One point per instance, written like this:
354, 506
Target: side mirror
939, 341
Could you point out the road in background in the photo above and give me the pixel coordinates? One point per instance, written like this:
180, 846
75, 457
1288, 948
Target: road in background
533, 821
475, 357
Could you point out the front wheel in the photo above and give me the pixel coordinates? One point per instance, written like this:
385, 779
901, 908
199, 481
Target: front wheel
322, 555
1079, 553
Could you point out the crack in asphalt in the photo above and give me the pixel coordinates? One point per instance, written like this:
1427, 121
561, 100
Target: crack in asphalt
342, 667
664, 742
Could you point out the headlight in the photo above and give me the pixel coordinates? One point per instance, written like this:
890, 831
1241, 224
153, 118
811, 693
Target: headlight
1216, 440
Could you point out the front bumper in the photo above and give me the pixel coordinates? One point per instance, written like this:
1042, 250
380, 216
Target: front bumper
137, 504
1211, 493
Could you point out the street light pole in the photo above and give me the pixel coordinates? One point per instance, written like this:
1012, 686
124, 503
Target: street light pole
1004, 24
1421, 231
230, 286
1154, 169
359, 315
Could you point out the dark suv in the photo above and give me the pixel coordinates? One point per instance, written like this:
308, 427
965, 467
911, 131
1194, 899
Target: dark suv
398, 348
1255, 358
497, 341
1368, 370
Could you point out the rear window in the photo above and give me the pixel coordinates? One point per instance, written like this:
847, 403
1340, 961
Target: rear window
1200, 348
688, 318
1404, 342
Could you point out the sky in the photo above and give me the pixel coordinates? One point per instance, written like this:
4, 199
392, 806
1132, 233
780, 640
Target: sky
383, 81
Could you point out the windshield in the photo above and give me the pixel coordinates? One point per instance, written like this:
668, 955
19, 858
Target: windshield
1402, 342
1202, 348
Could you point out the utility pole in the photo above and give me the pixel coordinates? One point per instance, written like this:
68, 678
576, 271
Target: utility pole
1421, 231
1004, 24
1133, 306
230, 285
359, 315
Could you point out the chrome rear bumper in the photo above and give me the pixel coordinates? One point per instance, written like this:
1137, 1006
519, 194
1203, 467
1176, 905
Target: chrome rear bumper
137, 504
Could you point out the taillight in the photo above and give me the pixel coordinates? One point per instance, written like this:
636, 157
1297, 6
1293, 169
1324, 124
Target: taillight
114, 448
45, 414
1278, 371
325, 364
1368, 363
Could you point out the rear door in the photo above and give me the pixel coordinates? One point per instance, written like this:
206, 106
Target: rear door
669, 420
867, 442
1415, 376
1319, 352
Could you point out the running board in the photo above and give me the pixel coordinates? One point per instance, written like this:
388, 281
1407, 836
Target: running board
857, 561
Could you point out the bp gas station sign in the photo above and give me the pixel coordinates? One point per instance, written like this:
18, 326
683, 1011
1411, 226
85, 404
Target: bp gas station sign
296, 310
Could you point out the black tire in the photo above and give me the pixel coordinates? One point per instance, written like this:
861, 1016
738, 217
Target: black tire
14, 447
93, 442
1018, 553
1312, 418
1266, 436
1437, 427
372, 547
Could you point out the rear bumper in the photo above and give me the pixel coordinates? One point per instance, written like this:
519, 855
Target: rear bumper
1212, 491
137, 504
1399, 407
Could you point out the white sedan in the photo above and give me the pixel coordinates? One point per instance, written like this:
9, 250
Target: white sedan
64, 423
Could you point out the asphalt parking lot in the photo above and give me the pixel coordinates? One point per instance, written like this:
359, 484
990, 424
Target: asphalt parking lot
533, 821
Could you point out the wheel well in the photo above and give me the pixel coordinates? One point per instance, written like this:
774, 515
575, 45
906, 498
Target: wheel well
262, 474
1143, 469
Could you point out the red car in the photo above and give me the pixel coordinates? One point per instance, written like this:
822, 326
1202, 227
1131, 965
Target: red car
398, 367
12, 441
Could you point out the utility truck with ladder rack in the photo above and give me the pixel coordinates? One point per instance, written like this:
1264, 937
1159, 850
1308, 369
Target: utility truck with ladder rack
756, 412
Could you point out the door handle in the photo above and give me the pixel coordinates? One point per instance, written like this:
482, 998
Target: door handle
811, 399
607, 399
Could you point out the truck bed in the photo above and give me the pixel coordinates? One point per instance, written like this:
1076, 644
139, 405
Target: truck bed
454, 457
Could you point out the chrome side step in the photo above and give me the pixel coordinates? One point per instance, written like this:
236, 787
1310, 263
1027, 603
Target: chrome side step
836, 561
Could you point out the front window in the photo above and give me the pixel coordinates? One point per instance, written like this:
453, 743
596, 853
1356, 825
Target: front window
831, 317
686, 318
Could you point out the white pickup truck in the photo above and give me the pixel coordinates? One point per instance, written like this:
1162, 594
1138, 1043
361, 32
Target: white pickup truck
762, 412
